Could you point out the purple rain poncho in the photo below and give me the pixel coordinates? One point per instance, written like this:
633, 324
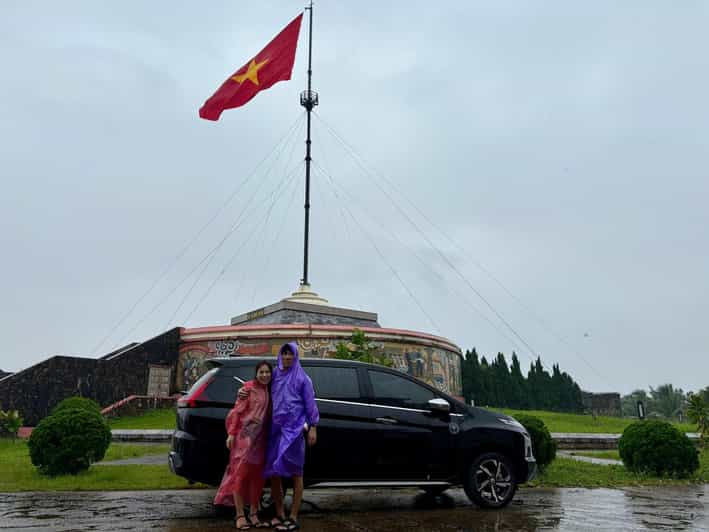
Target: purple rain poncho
293, 400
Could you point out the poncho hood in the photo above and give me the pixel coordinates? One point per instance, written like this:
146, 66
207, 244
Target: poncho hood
296, 360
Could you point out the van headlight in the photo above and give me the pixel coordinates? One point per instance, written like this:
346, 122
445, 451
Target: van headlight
528, 454
511, 422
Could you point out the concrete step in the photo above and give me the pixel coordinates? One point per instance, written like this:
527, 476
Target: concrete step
142, 435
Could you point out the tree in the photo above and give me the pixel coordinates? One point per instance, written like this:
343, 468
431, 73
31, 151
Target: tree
704, 394
10, 422
518, 386
629, 403
698, 412
501, 381
360, 348
471, 377
667, 401
539, 382
497, 384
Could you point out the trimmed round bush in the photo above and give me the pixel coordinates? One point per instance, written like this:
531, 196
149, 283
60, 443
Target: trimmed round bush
68, 441
80, 403
543, 446
658, 448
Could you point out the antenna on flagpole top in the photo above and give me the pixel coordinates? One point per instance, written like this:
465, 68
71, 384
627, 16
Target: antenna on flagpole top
308, 99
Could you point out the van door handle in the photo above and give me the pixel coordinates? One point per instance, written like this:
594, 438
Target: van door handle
387, 420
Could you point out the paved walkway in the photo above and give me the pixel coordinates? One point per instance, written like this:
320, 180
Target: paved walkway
566, 509
588, 459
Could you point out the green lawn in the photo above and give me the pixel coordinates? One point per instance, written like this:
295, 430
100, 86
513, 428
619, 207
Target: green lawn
18, 474
162, 418
121, 451
558, 422
567, 472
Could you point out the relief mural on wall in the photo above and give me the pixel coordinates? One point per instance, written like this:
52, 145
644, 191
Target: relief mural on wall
435, 366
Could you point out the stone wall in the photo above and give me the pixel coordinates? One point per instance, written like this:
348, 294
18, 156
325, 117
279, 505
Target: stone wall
287, 316
36, 390
602, 404
127, 373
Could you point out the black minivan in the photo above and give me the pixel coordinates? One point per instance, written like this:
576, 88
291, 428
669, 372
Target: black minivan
378, 427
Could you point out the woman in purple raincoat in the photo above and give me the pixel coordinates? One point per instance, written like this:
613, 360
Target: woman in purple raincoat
294, 412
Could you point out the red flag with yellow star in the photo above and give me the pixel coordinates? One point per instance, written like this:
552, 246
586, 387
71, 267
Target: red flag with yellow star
271, 65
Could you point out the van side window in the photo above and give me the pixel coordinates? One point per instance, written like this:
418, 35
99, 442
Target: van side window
331, 382
392, 390
223, 389
245, 373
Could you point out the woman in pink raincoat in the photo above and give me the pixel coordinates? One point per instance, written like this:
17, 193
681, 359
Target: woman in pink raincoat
247, 426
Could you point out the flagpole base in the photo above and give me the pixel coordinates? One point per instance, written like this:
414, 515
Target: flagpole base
305, 294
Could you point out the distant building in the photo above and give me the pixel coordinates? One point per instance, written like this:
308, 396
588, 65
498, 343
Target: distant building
602, 404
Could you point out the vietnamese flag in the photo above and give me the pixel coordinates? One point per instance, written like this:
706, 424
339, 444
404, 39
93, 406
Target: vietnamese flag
272, 64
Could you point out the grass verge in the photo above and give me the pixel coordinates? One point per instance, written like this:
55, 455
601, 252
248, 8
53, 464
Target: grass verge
18, 474
122, 451
584, 423
567, 473
161, 418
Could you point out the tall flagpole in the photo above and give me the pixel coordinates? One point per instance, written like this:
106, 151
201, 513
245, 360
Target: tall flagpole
308, 99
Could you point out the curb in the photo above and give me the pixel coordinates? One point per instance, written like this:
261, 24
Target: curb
145, 435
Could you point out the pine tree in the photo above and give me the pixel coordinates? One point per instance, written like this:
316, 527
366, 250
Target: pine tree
518, 390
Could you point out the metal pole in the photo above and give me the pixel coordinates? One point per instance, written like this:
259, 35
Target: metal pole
309, 108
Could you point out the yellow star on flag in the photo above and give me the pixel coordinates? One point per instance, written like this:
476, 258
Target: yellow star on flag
251, 73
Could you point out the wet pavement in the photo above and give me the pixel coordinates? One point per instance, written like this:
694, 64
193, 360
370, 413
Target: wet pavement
670, 508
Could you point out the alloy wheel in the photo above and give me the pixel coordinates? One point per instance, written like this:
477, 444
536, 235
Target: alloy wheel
493, 480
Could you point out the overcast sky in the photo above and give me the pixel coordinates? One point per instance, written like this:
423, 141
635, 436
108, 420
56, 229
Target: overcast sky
559, 147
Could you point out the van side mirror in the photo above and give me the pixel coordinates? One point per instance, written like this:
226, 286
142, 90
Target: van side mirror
439, 406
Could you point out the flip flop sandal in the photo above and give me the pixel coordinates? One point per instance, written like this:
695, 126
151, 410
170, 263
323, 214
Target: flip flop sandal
245, 526
289, 524
281, 521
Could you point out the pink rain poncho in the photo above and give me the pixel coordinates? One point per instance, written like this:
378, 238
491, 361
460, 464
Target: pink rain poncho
247, 422
293, 405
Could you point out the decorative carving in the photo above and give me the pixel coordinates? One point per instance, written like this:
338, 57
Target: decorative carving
226, 348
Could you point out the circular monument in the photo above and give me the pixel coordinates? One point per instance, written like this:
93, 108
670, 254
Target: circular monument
318, 327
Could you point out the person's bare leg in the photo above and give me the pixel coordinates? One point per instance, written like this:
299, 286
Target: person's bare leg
239, 503
277, 496
297, 497
254, 509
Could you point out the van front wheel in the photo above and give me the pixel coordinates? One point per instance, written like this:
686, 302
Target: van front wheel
490, 481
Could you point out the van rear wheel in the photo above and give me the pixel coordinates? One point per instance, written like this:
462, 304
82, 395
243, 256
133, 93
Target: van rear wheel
490, 481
